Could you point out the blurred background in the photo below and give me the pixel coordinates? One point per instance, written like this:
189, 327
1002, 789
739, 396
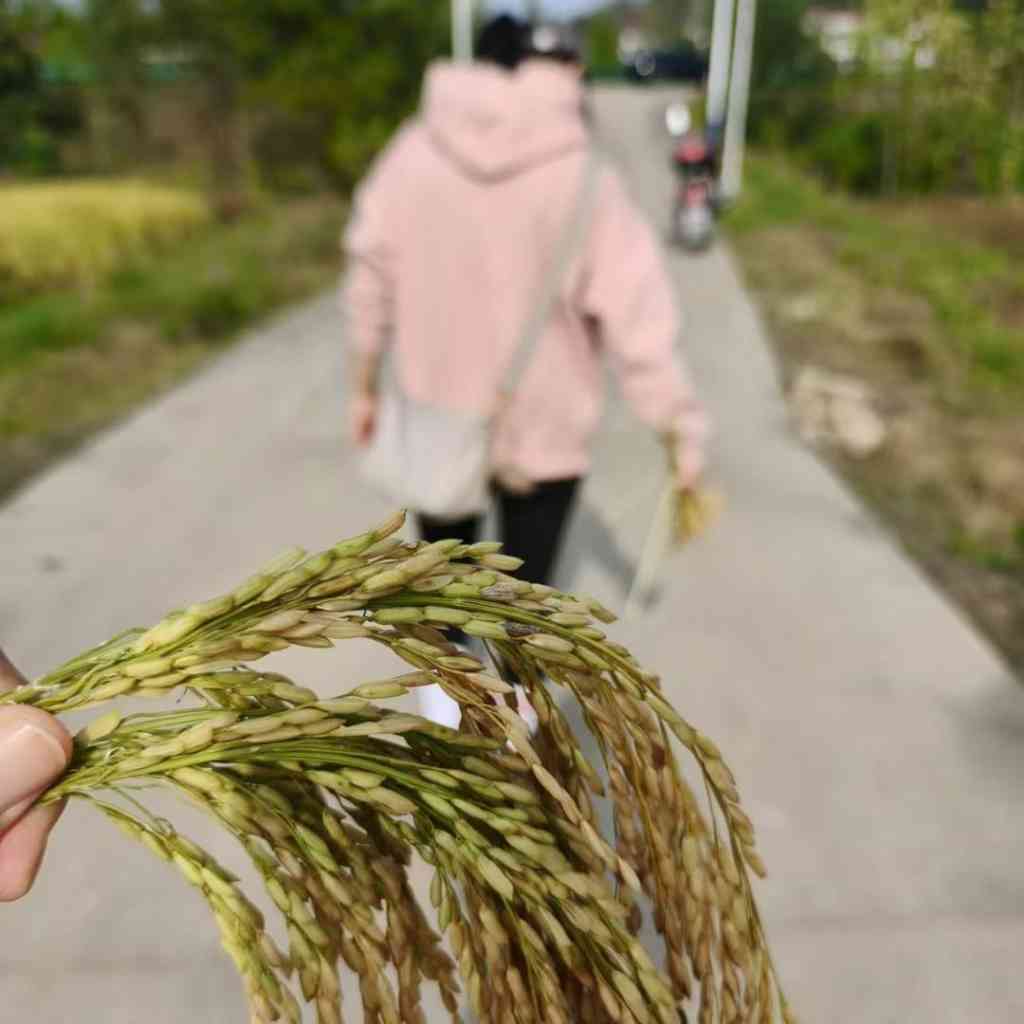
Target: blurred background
173, 172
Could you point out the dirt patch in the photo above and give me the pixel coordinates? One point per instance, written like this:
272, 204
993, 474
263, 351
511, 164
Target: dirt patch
998, 225
1006, 300
950, 475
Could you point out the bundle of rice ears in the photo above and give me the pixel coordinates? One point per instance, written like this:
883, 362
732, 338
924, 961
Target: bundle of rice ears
331, 799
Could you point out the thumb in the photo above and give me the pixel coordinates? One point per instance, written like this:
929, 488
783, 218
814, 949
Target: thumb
34, 750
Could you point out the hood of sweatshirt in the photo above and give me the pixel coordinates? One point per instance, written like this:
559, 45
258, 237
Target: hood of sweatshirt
495, 123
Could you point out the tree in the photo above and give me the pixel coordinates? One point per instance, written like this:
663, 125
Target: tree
785, 54
602, 42
995, 83
671, 21
20, 85
953, 83
117, 33
343, 70
34, 114
790, 88
356, 75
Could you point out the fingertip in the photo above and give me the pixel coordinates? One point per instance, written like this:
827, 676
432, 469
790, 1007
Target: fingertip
17, 716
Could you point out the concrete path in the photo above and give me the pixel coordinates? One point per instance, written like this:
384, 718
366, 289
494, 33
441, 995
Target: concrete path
877, 739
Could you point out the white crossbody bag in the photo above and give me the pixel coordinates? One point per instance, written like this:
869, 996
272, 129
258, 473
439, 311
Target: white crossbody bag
436, 460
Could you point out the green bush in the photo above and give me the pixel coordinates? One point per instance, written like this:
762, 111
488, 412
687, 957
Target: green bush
46, 323
286, 149
346, 72
954, 124
602, 46
34, 114
34, 153
219, 308
848, 152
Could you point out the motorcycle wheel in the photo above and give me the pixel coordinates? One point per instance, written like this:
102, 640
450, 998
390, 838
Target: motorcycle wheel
693, 228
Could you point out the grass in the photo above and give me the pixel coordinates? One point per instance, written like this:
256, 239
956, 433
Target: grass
73, 360
892, 245
74, 233
923, 301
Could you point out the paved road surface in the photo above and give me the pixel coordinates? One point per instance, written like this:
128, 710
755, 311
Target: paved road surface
877, 739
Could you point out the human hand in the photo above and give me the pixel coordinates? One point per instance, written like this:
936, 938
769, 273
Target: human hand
686, 461
34, 749
685, 447
362, 420
688, 466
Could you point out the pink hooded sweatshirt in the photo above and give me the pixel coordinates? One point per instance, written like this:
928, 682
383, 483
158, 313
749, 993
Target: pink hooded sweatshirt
452, 227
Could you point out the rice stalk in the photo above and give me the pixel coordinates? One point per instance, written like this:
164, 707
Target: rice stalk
72, 233
331, 798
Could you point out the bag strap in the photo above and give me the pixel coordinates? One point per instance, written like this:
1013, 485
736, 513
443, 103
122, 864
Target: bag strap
573, 235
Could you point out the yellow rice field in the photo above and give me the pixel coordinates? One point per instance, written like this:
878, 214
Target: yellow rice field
70, 233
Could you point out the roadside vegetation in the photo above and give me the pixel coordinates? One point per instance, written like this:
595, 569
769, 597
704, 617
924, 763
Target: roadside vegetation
170, 172
882, 225
922, 299
74, 358
72, 233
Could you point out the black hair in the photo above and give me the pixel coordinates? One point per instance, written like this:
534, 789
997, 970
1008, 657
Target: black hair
502, 41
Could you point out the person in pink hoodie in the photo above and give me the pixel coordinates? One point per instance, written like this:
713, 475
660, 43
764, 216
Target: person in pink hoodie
449, 231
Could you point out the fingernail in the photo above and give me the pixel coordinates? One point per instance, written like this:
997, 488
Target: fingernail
30, 758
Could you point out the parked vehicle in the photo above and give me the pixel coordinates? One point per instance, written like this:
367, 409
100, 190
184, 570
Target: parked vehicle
693, 212
682, 64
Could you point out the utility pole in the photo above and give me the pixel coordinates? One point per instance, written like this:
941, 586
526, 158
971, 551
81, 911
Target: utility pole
718, 72
739, 93
462, 30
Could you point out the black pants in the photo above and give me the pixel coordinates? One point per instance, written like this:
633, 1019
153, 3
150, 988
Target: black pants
531, 526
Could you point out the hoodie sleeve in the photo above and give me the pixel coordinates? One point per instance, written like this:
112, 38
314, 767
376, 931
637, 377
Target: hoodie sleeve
628, 293
368, 290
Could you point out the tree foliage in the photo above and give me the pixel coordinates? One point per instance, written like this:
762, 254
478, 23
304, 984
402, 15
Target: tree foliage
948, 84
335, 74
311, 88
33, 112
933, 103
602, 43
791, 76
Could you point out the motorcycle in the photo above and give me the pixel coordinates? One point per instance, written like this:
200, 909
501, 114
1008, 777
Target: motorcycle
693, 214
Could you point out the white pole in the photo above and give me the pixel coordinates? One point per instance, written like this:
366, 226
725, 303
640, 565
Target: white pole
462, 30
718, 72
739, 93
